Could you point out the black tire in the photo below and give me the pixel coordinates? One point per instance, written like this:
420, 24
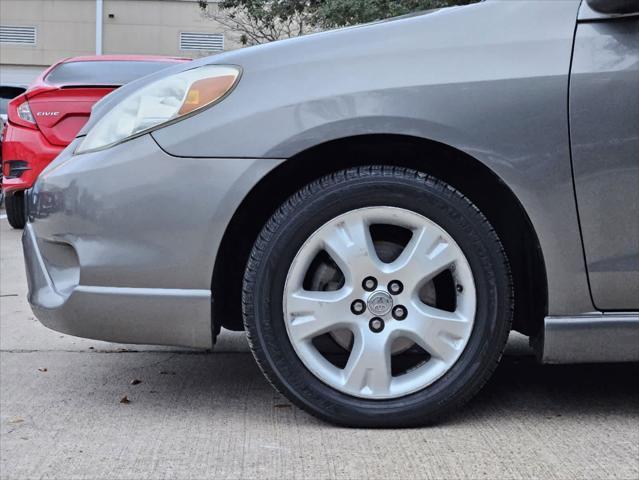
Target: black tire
15, 210
327, 198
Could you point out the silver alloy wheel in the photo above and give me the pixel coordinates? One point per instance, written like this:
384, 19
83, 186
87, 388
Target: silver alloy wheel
442, 334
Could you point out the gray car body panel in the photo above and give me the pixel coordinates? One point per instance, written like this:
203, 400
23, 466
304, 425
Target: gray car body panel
604, 125
117, 314
498, 94
115, 249
145, 218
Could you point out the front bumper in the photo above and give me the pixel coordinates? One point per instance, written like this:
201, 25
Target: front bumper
127, 315
121, 243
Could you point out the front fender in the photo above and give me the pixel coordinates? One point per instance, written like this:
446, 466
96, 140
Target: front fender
484, 79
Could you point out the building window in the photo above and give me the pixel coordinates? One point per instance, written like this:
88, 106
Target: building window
210, 42
18, 35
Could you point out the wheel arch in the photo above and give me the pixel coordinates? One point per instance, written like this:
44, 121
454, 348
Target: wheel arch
478, 182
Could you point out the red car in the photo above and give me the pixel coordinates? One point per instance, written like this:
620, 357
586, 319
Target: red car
45, 119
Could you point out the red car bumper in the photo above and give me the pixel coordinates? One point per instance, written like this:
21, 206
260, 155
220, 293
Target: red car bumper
25, 153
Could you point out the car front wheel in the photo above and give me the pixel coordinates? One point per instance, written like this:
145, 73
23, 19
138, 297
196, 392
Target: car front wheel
378, 297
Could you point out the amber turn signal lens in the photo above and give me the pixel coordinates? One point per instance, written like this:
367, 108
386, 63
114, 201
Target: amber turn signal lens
206, 91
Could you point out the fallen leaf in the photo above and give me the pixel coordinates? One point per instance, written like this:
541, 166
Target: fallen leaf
16, 420
125, 399
136, 381
43, 369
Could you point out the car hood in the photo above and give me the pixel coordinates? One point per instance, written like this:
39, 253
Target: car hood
319, 45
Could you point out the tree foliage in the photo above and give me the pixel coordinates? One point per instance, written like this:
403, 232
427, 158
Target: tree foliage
338, 13
260, 21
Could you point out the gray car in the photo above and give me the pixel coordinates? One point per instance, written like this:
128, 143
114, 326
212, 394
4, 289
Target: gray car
378, 206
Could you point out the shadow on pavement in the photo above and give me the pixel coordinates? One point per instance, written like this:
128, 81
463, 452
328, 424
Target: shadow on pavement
520, 386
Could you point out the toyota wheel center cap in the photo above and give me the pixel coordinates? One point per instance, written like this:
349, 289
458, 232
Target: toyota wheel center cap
380, 303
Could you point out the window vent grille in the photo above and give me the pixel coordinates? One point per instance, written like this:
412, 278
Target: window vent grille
211, 42
19, 35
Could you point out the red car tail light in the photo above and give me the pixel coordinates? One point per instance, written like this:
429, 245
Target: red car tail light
19, 112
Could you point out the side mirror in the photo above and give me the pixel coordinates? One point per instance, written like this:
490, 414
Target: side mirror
614, 6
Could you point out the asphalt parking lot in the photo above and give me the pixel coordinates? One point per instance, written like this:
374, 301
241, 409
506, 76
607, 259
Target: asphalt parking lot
197, 414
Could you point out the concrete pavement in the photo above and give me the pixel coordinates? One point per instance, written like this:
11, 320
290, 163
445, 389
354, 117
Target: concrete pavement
197, 415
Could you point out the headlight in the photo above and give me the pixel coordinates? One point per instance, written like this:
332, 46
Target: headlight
161, 102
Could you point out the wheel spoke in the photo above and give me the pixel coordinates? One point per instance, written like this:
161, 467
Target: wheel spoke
313, 313
425, 256
368, 370
437, 331
350, 245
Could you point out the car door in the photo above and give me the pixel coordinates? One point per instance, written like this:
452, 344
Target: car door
604, 128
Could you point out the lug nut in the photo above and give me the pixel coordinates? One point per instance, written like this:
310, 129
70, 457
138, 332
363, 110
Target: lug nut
399, 312
460, 288
369, 284
358, 307
376, 324
395, 287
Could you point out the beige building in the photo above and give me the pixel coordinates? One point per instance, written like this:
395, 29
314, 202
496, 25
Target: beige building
36, 33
